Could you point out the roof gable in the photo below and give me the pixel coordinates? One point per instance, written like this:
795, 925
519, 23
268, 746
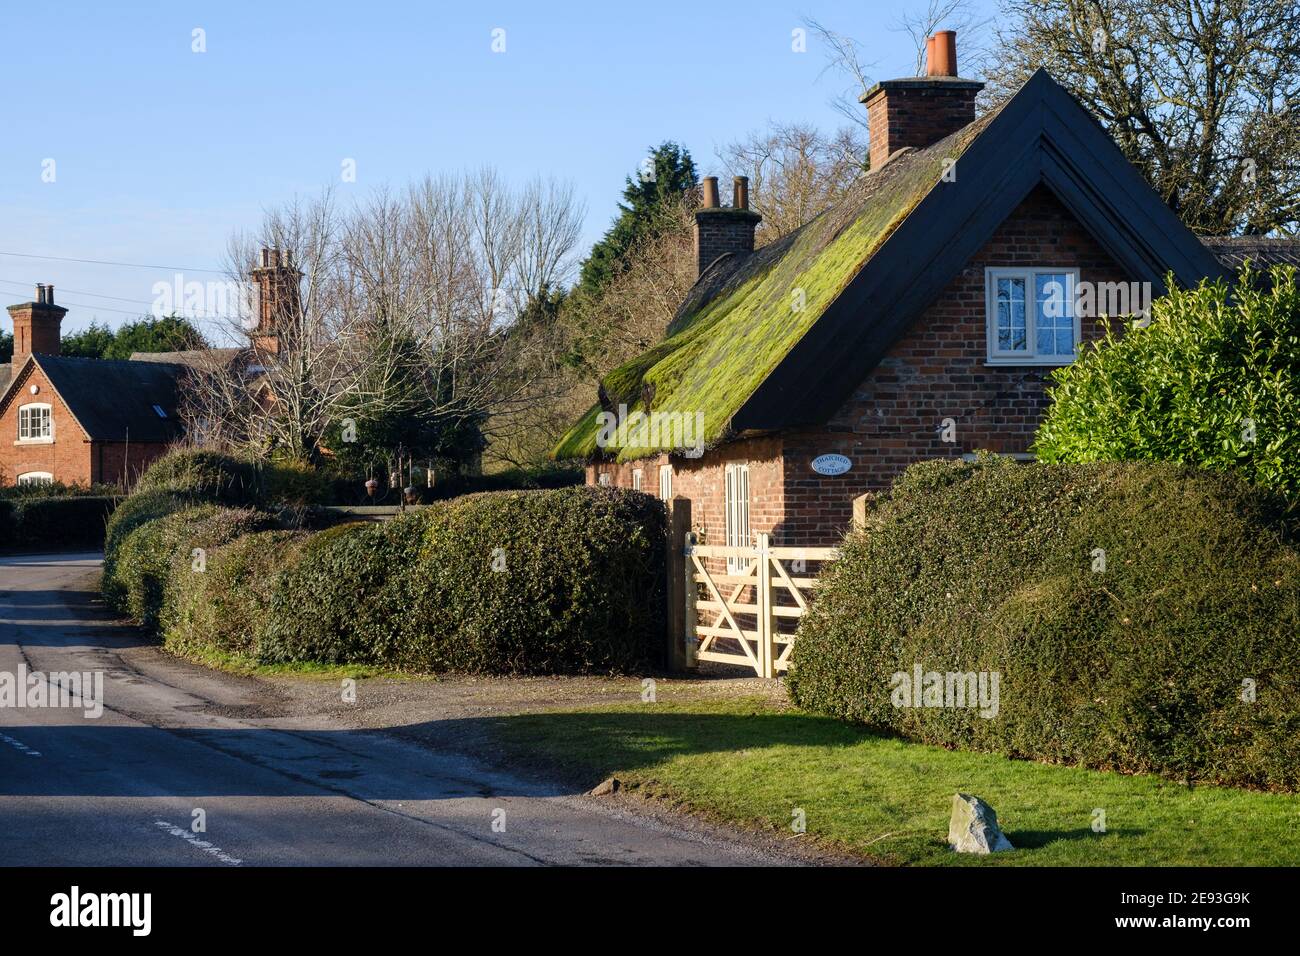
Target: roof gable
111, 400
745, 355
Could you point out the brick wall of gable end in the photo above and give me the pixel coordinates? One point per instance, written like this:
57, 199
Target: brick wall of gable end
937, 371
67, 458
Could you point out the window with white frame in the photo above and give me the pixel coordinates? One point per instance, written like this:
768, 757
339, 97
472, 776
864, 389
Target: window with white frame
35, 423
1031, 316
666, 482
36, 478
603, 479
637, 477
736, 519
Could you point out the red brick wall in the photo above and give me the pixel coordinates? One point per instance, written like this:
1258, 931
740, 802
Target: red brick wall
67, 458
111, 460
916, 112
71, 458
703, 480
938, 370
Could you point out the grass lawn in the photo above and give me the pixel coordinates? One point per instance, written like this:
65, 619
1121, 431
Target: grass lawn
750, 762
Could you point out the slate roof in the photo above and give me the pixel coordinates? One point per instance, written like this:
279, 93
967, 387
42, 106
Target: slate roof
114, 400
6, 373
741, 353
191, 358
1233, 251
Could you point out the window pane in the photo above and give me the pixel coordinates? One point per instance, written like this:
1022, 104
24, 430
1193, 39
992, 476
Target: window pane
1011, 314
1054, 325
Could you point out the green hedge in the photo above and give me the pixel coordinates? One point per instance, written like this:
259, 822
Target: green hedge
153, 560
1212, 380
201, 474
1141, 667
135, 512
580, 589
55, 523
215, 476
223, 608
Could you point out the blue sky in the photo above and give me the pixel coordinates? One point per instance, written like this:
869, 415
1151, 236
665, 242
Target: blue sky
161, 153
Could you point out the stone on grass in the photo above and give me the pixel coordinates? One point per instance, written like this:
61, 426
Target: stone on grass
974, 827
605, 788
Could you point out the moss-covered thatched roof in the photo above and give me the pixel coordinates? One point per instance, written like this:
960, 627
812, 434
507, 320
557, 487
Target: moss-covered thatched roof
745, 315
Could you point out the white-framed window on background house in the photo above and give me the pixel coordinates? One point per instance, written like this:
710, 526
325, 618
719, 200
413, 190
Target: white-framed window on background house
36, 478
603, 479
35, 423
666, 482
736, 518
1031, 316
638, 477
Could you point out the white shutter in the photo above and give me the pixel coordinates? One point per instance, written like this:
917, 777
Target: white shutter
736, 514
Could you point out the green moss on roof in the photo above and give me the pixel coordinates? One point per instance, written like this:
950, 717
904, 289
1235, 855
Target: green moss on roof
737, 326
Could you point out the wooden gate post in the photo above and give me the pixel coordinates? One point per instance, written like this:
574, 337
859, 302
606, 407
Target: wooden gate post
679, 576
765, 617
860, 511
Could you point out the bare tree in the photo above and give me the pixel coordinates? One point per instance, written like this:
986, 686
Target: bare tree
419, 286
844, 57
795, 171
1204, 98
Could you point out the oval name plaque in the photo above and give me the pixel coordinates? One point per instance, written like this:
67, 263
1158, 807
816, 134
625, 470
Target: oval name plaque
831, 464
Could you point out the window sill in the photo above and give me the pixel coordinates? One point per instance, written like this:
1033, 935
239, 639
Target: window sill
1044, 362
34, 441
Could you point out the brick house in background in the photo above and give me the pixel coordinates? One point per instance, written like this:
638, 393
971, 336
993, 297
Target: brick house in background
918, 318
76, 420
99, 421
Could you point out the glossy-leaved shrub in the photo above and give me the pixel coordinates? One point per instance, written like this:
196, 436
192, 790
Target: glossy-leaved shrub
1213, 380
1138, 617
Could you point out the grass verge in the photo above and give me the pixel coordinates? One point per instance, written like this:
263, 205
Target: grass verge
752, 763
251, 667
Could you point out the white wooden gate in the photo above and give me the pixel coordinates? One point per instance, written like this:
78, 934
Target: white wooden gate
744, 609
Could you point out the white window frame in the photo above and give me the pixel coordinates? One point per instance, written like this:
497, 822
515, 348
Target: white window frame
666, 482
735, 498
603, 479
1028, 356
638, 477
35, 478
45, 439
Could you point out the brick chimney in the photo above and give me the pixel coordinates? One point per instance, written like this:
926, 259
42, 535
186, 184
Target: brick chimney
37, 325
722, 229
278, 298
920, 110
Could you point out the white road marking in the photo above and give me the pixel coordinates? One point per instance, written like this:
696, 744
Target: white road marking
19, 745
198, 844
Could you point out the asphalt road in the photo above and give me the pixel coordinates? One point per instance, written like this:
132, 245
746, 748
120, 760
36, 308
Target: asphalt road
124, 787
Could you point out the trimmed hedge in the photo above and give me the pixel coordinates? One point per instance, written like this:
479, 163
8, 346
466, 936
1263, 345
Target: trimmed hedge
208, 475
223, 608
1140, 667
580, 588
52, 523
153, 559
215, 476
135, 512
